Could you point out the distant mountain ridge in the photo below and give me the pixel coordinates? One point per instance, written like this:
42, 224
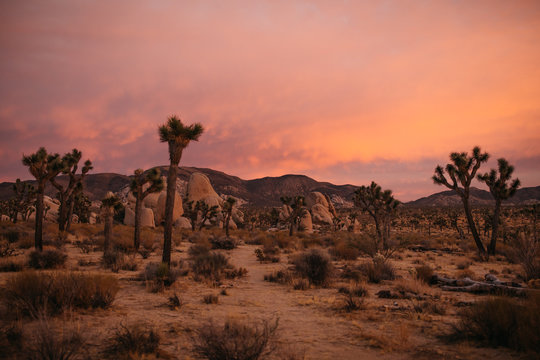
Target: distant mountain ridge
267, 191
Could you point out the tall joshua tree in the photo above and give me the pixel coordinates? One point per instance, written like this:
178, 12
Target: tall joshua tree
500, 189
44, 167
109, 205
66, 194
227, 211
155, 184
381, 206
177, 136
462, 171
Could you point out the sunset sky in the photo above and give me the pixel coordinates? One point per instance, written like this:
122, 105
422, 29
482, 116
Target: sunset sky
342, 91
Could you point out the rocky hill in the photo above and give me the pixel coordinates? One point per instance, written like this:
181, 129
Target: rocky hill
267, 191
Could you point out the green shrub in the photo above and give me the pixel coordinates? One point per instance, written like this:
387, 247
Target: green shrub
235, 340
47, 259
314, 265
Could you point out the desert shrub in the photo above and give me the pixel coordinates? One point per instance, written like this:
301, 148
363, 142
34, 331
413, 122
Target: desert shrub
235, 340
11, 335
352, 302
466, 273
49, 343
411, 286
175, 302
279, 276
113, 260
131, 340
429, 307
378, 269
32, 293
424, 273
11, 265
12, 236
223, 242
358, 290
200, 248
158, 276
463, 265
25, 243
300, 284
525, 251
47, 259
502, 322
344, 251
210, 299
263, 256
314, 265
214, 266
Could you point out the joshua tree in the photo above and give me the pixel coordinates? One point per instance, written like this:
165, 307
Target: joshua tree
25, 196
177, 136
44, 167
205, 211
70, 162
462, 171
155, 184
500, 190
381, 206
297, 209
109, 205
227, 211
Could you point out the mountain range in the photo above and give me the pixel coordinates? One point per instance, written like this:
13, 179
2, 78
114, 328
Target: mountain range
266, 192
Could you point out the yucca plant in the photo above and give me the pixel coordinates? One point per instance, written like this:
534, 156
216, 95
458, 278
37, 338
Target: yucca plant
44, 167
155, 184
297, 209
462, 171
227, 211
109, 205
177, 136
500, 189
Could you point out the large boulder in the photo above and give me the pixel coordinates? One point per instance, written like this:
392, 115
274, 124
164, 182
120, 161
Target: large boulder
316, 197
200, 188
306, 224
321, 215
182, 223
147, 217
160, 211
54, 206
285, 212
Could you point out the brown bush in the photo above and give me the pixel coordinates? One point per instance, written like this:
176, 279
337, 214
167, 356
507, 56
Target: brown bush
133, 339
210, 299
377, 270
279, 276
49, 343
344, 251
32, 293
47, 259
502, 322
214, 266
315, 265
159, 276
425, 274
235, 340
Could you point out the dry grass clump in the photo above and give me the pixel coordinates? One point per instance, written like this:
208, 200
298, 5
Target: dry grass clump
279, 276
424, 273
133, 341
235, 340
159, 276
50, 343
264, 256
223, 242
47, 259
502, 322
32, 293
314, 265
344, 251
211, 299
11, 265
525, 251
214, 266
353, 297
378, 269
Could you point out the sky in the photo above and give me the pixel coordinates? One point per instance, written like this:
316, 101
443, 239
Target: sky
341, 91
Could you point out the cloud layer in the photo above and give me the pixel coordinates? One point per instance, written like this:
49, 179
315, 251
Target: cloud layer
346, 92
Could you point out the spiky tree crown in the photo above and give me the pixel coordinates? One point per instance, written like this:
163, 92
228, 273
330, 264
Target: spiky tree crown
152, 177
498, 185
111, 201
373, 199
42, 165
178, 136
461, 171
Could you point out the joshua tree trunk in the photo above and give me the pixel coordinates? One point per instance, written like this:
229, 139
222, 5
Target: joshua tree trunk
169, 208
107, 231
495, 227
472, 227
227, 220
70, 213
38, 237
138, 216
